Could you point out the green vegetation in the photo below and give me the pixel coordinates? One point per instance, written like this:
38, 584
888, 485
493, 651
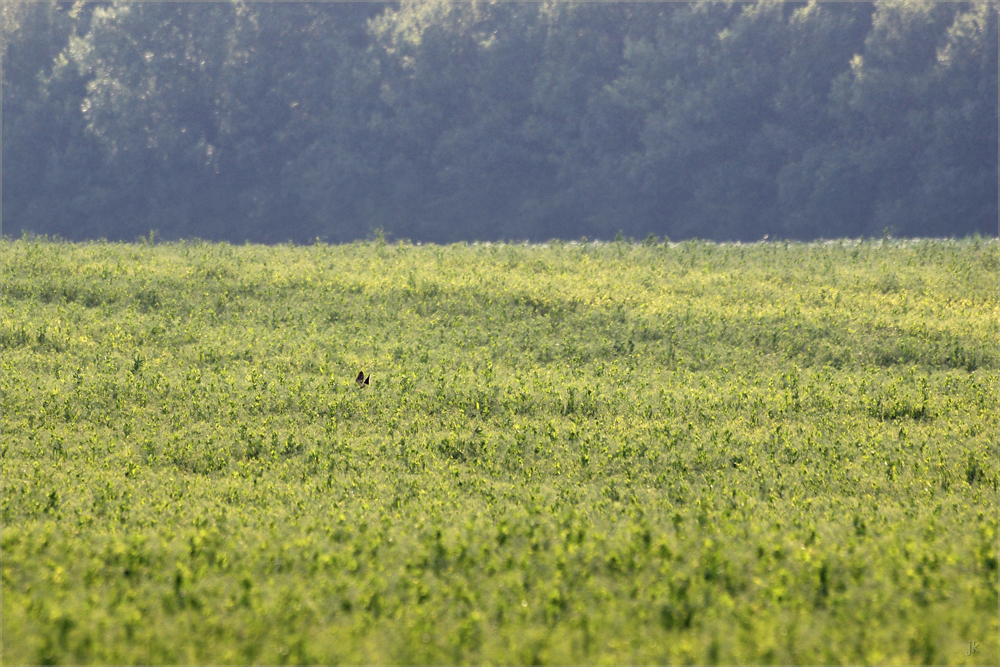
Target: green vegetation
569, 453
461, 120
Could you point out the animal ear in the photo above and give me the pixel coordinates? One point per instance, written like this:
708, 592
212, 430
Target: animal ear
361, 378
368, 378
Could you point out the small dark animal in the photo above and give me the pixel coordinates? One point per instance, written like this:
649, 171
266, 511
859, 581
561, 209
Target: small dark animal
362, 380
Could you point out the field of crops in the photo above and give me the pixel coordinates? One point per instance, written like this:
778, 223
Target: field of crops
568, 453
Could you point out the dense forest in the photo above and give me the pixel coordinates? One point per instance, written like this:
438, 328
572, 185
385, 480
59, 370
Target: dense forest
441, 121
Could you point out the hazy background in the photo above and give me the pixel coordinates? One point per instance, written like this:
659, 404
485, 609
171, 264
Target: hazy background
444, 121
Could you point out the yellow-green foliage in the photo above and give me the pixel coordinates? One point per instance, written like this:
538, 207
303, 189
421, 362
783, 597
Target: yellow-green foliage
569, 453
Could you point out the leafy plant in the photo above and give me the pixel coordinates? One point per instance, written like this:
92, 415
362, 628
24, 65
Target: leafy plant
577, 452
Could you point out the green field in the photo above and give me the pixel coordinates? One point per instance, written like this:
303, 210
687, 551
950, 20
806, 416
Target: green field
569, 453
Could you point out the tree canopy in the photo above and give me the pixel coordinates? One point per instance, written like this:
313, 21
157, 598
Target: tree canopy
439, 120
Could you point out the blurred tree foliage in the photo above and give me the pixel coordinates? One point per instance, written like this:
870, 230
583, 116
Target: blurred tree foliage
439, 120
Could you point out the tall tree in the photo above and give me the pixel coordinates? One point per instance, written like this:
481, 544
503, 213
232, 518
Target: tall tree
916, 150
457, 84
956, 188
730, 94
579, 127
444, 120
157, 102
50, 160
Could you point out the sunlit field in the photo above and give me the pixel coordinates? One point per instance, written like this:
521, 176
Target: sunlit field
567, 453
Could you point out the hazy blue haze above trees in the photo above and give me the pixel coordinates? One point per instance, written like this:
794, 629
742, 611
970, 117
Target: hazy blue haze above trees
444, 121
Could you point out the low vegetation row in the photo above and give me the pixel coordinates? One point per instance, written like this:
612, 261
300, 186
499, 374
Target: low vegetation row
566, 453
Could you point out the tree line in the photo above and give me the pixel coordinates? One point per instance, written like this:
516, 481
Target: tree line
440, 121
